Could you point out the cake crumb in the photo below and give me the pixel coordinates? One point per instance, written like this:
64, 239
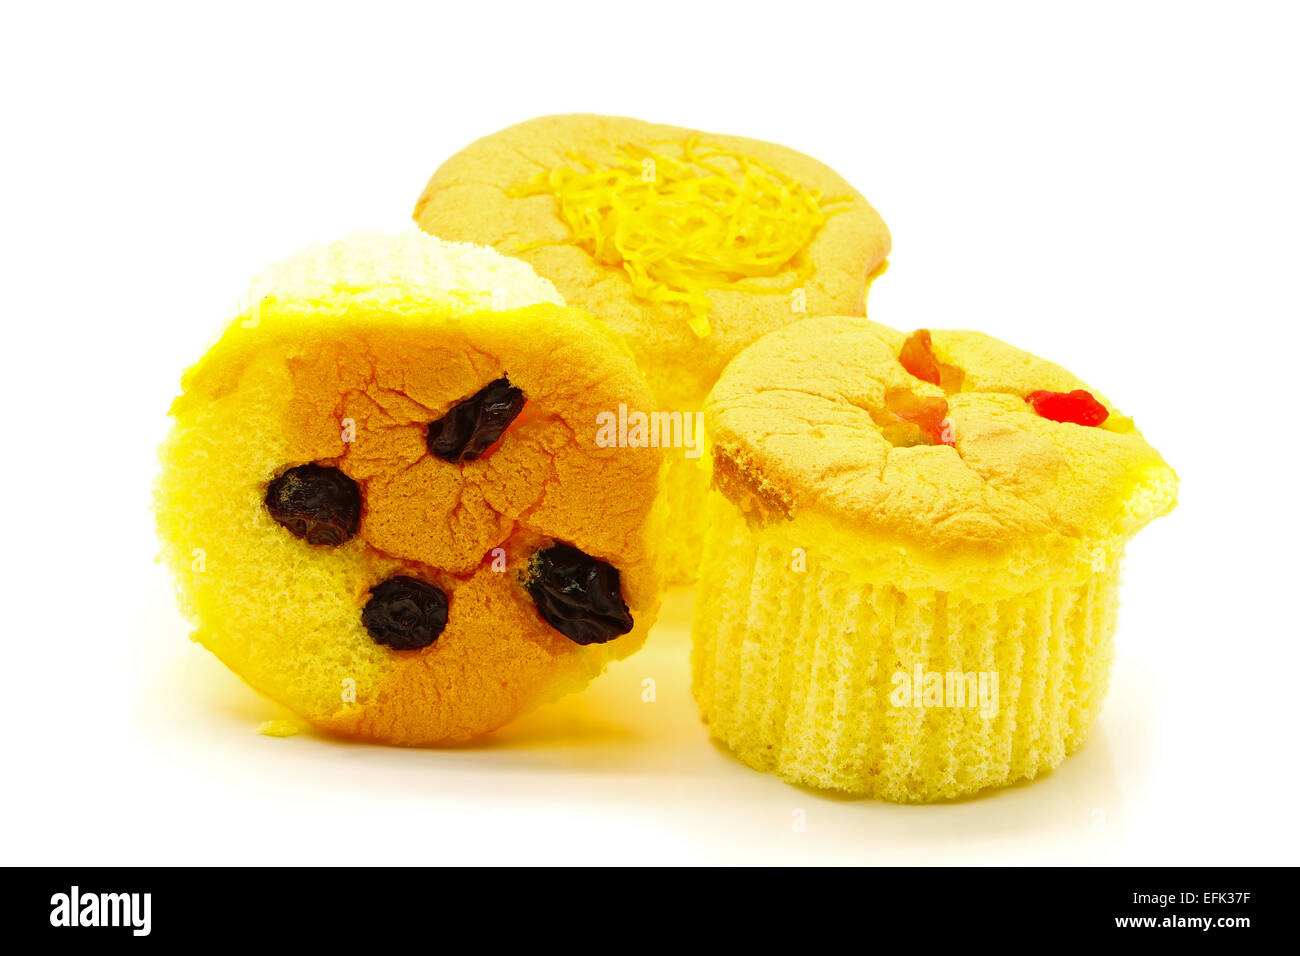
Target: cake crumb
279, 728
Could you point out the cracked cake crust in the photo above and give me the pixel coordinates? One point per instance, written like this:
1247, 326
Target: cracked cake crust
794, 413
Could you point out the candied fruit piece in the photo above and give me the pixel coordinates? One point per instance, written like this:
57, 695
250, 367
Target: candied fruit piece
578, 595
474, 424
951, 378
928, 413
1077, 407
917, 356
905, 434
405, 613
317, 503
909, 419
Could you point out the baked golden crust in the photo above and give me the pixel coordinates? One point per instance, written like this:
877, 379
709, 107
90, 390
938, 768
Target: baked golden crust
793, 433
475, 196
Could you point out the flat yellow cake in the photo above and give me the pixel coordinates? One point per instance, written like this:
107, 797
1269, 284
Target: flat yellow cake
909, 583
383, 499
690, 245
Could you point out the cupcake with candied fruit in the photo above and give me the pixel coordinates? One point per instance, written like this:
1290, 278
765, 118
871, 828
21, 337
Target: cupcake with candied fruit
910, 580
384, 502
690, 245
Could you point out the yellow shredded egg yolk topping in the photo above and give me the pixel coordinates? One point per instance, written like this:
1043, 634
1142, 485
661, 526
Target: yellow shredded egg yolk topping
680, 227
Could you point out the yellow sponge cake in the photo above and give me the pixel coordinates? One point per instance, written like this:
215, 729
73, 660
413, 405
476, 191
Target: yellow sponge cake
382, 497
910, 579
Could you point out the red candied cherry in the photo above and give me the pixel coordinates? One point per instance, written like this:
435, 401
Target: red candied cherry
1077, 407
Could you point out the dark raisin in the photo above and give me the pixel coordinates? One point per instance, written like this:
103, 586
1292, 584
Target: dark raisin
317, 503
471, 425
578, 595
405, 614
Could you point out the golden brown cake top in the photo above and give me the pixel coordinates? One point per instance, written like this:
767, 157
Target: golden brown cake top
821, 416
689, 244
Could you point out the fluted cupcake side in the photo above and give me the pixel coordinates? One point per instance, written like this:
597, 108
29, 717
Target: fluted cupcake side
807, 669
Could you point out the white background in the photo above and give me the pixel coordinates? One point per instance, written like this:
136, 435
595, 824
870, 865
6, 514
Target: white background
1115, 189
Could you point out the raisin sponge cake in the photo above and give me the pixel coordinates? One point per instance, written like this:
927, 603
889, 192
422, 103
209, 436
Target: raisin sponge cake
383, 501
910, 581
688, 244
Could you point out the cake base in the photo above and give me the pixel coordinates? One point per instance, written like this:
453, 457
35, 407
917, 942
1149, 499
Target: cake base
807, 670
